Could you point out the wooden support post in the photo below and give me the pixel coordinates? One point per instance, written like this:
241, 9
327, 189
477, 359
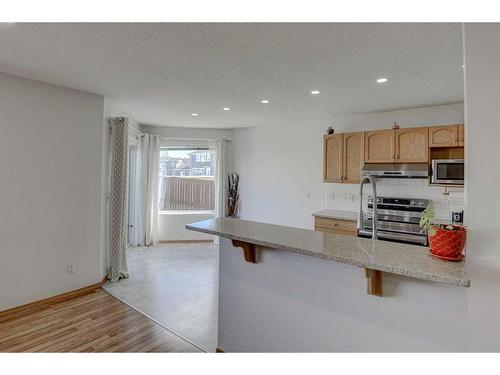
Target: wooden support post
248, 250
374, 282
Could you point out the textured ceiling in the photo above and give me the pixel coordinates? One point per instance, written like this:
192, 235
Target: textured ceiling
161, 73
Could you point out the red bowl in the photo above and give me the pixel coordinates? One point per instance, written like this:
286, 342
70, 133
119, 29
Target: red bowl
448, 244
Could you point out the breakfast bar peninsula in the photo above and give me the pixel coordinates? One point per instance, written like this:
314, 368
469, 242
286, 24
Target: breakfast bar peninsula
290, 289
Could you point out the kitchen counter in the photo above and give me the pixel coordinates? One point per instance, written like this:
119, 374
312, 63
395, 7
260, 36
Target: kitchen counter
396, 258
337, 214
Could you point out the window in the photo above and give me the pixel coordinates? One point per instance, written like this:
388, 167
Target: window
186, 179
202, 156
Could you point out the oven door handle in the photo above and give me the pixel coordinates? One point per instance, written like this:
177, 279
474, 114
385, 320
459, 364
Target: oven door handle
422, 240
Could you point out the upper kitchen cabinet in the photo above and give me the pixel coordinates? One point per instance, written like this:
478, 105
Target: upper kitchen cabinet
353, 157
332, 157
397, 146
343, 157
379, 146
345, 153
461, 135
445, 136
412, 145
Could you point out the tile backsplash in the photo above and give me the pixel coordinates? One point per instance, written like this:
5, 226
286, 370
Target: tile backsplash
346, 196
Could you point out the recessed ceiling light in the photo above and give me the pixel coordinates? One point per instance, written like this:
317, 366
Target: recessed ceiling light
226, 109
194, 114
264, 101
315, 92
381, 80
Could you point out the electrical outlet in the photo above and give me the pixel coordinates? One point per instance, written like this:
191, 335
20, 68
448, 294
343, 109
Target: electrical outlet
308, 195
70, 268
331, 196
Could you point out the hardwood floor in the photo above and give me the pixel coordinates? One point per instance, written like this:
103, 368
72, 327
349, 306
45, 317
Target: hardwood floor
96, 322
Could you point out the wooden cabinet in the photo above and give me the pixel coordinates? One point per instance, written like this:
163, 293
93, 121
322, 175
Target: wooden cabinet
461, 135
345, 153
411, 145
379, 146
343, 157
352, 157
445, 136
332, 158
336, 226
397, 146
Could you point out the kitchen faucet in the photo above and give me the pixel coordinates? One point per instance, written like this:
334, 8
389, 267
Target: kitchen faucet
372, 180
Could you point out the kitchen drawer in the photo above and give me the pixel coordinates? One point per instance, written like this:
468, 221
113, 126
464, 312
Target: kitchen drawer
336, 231
335, 224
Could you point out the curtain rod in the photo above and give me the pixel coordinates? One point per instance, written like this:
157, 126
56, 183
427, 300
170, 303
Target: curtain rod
136, 131
196, 139
131, 128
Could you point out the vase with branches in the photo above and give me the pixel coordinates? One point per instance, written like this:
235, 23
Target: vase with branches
232, 193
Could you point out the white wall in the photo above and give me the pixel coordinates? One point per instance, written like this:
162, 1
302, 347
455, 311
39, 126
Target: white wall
280, 163
105, 187
482, 132
172, 226
50, 156
112, 110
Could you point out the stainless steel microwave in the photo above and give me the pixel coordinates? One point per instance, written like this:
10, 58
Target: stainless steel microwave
448, 171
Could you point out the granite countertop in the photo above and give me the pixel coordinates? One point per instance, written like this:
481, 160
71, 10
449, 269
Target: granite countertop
400, 259
337, 214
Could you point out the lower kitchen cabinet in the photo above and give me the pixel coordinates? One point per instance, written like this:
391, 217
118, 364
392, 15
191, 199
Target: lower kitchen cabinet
345, 227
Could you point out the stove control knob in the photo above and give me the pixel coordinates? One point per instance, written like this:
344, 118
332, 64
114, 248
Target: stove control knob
422, 204
413, 203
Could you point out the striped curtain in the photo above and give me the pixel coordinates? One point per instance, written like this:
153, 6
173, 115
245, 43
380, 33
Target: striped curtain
118, 197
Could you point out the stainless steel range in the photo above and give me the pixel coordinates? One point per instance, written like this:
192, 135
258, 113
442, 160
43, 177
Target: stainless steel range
398, 219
